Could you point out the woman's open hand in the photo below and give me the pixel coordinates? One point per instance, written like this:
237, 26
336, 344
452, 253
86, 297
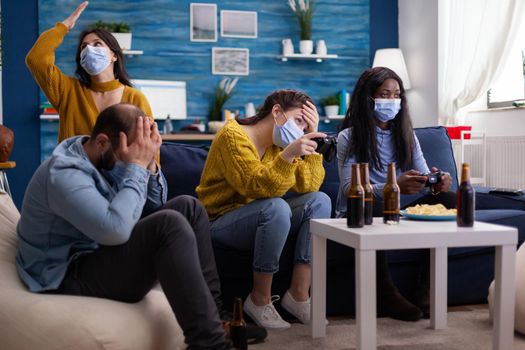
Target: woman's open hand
311, 117
72, 19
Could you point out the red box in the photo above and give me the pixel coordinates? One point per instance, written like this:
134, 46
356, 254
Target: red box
454, 132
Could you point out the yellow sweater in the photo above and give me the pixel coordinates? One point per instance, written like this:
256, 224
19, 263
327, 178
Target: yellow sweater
234, 175
71, 99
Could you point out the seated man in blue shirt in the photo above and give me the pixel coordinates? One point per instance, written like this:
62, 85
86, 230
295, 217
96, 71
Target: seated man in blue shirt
95, 222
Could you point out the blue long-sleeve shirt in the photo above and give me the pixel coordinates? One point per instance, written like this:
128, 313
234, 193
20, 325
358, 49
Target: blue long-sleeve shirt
387, 154
71, 208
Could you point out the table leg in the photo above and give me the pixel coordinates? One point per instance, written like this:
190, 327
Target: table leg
438, 287
366, 303
504, 298
318, 311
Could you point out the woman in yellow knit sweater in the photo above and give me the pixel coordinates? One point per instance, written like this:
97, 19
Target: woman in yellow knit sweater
102, 80
252, 163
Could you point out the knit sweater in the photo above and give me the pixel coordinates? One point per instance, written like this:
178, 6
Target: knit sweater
234, 175
71, 99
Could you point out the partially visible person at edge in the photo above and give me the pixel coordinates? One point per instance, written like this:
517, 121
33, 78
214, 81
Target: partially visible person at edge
251, 166
377, 130
101, 78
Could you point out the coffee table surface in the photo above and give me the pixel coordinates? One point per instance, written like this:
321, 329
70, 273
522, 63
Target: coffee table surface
413, 234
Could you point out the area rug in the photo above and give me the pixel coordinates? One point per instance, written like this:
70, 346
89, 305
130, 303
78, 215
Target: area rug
469, 328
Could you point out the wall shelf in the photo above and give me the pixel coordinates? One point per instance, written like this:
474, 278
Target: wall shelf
298, 56
131, 53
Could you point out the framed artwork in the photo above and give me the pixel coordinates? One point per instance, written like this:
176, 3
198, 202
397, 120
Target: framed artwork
203, 22
239, 24
230, 61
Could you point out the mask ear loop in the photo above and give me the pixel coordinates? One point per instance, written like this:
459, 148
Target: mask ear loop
284, 115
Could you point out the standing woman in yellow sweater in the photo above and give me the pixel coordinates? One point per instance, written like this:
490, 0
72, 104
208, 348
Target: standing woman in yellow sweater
101, 81
251, 165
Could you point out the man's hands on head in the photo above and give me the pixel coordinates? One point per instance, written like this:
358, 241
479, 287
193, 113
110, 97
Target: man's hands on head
143, 146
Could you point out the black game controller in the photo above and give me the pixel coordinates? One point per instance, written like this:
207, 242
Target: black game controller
326, 146
433, 178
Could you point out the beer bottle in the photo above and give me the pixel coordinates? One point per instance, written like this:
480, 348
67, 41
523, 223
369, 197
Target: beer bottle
465, 199
391, 197
356, 196
238, 327
369, 193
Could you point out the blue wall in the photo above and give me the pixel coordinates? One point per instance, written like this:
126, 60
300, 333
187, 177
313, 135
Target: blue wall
20, 93
353, 29
162, 31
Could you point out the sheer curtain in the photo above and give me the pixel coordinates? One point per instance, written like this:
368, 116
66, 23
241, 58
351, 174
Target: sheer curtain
475, 37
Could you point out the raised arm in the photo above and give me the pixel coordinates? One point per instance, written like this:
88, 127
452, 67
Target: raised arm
41, 58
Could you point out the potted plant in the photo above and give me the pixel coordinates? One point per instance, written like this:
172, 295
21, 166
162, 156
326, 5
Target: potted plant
223, 92
303, 10
120, 30
331, 105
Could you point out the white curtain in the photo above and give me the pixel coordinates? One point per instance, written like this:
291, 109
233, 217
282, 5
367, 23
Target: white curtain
475, 37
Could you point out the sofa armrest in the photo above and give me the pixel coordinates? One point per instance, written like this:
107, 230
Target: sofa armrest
485, 200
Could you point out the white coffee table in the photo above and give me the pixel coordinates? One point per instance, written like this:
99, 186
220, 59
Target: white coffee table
436, 235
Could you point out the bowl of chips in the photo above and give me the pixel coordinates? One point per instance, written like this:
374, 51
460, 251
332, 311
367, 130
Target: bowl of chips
432, 212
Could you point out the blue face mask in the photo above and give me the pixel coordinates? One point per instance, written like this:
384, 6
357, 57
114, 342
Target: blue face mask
386, 109
94, 59
285, 134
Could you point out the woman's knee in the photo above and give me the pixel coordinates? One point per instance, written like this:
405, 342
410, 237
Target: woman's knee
319, 204
276, 209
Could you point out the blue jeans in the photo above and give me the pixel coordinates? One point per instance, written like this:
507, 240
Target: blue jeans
264, 224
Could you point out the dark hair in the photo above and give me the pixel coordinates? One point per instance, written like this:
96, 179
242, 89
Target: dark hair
287, 99
119, 70
360, 117
120, 117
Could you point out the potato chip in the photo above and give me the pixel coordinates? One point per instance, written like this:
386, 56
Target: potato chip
431, 210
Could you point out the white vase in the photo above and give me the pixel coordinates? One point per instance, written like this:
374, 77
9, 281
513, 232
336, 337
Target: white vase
215, 125
306, 47
124, 40
320, 48
287, 47
331, 110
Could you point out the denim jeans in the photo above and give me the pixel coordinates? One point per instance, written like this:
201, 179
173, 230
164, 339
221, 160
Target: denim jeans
264, 224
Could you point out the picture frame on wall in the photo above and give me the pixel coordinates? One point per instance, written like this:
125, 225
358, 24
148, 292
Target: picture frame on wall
239, 24
230, 61
203, 22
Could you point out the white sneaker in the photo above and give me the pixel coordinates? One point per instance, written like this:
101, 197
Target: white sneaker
300, 309
265, 316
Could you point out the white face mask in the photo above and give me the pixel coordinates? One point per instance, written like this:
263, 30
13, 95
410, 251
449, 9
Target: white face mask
94, 59
285, 134
386, 109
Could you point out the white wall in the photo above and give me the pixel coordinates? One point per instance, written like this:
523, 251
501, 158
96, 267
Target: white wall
418, 39
501, 122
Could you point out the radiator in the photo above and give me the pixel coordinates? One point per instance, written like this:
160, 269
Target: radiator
504, 165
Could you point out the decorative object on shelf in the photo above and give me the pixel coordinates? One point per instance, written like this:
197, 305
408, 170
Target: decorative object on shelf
215, 125
303, 10
287, 47
203, 22
331, 106
223, 92
249, 110
393, 59
230, 61
239, 24
168, 125
344, 101
320, 48
120, 30
7, 139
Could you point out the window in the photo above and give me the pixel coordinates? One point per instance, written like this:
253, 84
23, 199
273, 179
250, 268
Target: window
510, 86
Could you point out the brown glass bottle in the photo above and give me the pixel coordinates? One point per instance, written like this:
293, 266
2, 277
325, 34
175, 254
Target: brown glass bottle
391, 197
238, 327
369, 193
355, 197
465, 199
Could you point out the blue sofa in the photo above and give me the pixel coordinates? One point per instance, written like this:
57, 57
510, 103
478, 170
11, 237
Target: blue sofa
470, 270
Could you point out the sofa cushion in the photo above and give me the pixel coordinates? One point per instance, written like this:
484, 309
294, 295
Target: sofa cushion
484, 200
182, 165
